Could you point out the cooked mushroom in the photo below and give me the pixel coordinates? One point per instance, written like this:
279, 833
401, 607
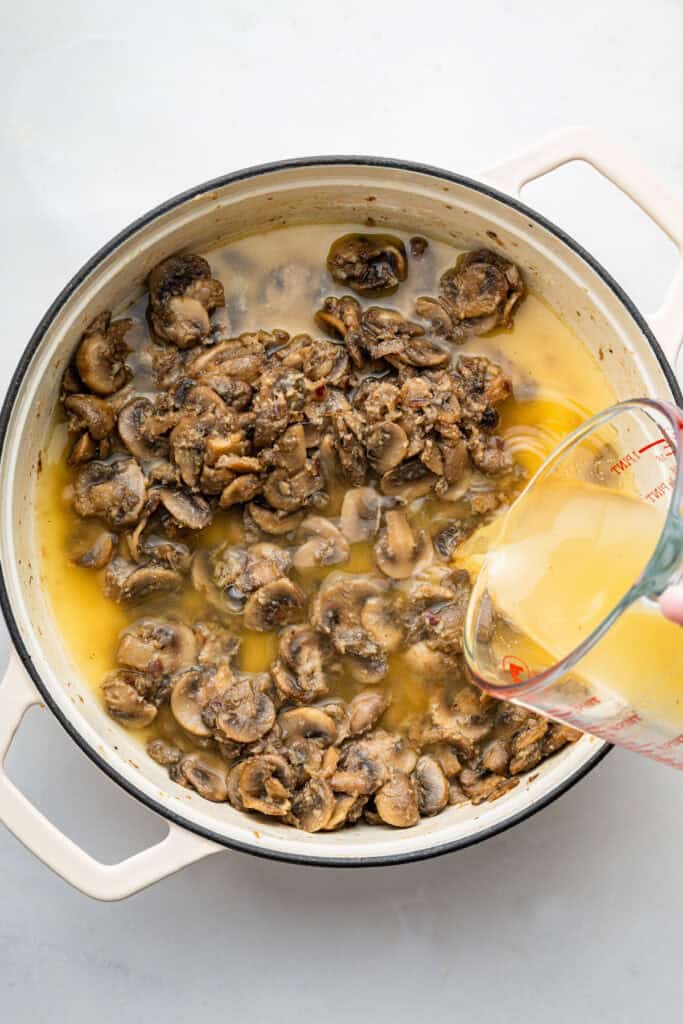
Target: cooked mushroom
339, 315
141, 426
193, 690
360, 514
399, 552
244, 712
275, 604
313, 805
187, 510
127, 696
100, 359
182, 295
275, 523
386, 446
83, 450
126, 581
347, 809
381, 621
91, 547
410, 479
479, 293
323, 544
262, 783
164, 753
336, 611
288, 493
432, 786
307, 723
204, 772
299, 671
365, 710
369, 264
87, 412
240, 490
113, 491
217, 645
396, 801
157, 646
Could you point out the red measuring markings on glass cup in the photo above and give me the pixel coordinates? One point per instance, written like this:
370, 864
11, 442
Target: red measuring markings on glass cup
517, 669
660, 450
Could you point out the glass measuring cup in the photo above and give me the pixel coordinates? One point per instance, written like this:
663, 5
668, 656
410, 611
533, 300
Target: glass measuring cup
563, 617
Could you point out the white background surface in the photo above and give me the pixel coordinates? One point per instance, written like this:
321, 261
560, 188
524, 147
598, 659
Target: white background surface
107, 109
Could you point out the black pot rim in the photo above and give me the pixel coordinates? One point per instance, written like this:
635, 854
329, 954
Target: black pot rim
253, 172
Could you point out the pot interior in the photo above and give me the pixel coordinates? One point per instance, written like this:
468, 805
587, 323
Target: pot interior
413, 200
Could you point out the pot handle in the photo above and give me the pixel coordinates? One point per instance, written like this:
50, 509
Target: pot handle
627, 173
101, 881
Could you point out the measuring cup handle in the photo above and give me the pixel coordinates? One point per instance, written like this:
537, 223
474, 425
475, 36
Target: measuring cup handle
626, 173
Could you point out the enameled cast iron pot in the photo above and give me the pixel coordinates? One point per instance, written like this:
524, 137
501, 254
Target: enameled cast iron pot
407, 196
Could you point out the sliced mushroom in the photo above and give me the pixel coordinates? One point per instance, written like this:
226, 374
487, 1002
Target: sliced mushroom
369, 264
386, 446
339, 315
365, 710
157, 646
262, 783
187, 510
380, 619
244, 712
313, 805
182, 295
347, 809
100, 359
399, 552
410, 479
336, 611
204, 772
360, 513
307, 723
288, 493
193, 690
141, 428
217, 645
113, 491
240, 490
432, 786
126, 694
299, 671
164, 753
323, 544
87, 412
396, 801
203, 581
126, 581
273, 605
91, 547
83, 450
275, 523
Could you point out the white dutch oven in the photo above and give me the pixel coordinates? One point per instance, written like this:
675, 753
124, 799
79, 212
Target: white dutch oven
417, 199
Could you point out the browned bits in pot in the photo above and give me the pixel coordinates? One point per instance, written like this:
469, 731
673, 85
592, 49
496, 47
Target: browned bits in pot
276, 516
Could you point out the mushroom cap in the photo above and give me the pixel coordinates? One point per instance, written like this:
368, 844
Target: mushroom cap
323, 544
134, 430
432, 786
360, 513
369, 264
365, 710
398, 552
410, 479
157, 646
126, 581
92, 414
262, 783
125, 694
192, 691
380, 619
113, 491
396, 801
299, 671
275, 523
91, 547
244, 712
386, 445
313, 805
307, 723
100, 359
187, 510
204, 772
275, 604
